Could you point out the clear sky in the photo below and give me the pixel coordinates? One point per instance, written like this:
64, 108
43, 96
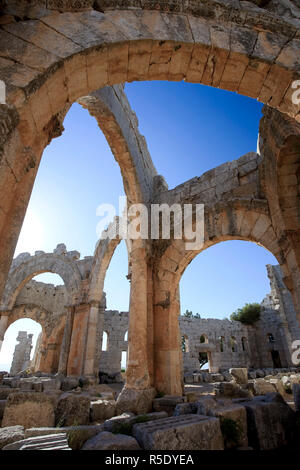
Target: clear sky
189, 129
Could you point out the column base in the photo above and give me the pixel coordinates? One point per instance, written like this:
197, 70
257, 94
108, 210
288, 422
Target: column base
135, 401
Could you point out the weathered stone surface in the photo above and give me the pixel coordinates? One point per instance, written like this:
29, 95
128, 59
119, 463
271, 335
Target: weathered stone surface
136, 401
261, 387
236, 413
102, 409
109, 441
186, 432
29, 410
2, 407
72, 410
268, 424
167, 403
296, 394
240, 375
128, 419
11, 434
185, 408
77, 435
46, 442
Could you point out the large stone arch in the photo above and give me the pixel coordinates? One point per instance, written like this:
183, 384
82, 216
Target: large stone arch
25, 267
56, 58
279, 145
103, 254
111, 109
235, 221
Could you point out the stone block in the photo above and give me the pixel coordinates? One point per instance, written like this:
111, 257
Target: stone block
296, 394
49, 442
261, 387
72, 410
167, 403
128, 419
50, 385
185, 409
77, 435
136, 401
6, 391
26, 385
11, 434
240, 375
29, 409
268, 424
109, 441
102, 410
2, 407
185, 432
236, 413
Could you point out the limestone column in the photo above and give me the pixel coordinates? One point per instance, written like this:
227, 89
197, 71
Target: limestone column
75, 364
137, 373
168, 367
94, 332
3, 326
65, 346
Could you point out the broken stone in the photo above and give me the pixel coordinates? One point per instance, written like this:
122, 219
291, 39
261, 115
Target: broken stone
185, 432
29, 409
72, 410
11, 434
109, 441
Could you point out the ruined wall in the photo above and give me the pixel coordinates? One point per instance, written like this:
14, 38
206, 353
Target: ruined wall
115, 325
21, 357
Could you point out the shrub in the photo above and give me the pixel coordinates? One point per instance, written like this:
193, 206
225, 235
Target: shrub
248, 314
231, 431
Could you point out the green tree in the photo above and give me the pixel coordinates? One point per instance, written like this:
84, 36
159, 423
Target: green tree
248, 314
190, 314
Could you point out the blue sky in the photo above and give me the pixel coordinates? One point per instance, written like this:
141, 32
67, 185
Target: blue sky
189, 129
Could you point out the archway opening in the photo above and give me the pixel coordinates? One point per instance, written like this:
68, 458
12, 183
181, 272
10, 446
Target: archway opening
66, 193
23, 334
218, 282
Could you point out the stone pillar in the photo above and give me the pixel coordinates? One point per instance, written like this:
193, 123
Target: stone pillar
65, 346
168, 368
139, 349
36, 360
21, 358
95, 328
3, 327
78, 342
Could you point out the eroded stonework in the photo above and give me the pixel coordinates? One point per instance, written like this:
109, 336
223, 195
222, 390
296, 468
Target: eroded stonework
56, 52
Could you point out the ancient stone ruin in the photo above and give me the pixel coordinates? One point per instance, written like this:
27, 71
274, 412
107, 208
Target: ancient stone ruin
21, 358
57, 52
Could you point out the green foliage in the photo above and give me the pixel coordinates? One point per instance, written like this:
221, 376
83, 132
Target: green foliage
248, 314
190, 314
288, 389
123, 370
231, 431
159, 395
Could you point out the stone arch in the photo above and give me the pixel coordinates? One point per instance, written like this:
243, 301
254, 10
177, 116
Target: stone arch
242, 220
52, 332
25, 267
60, 57
103, 254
